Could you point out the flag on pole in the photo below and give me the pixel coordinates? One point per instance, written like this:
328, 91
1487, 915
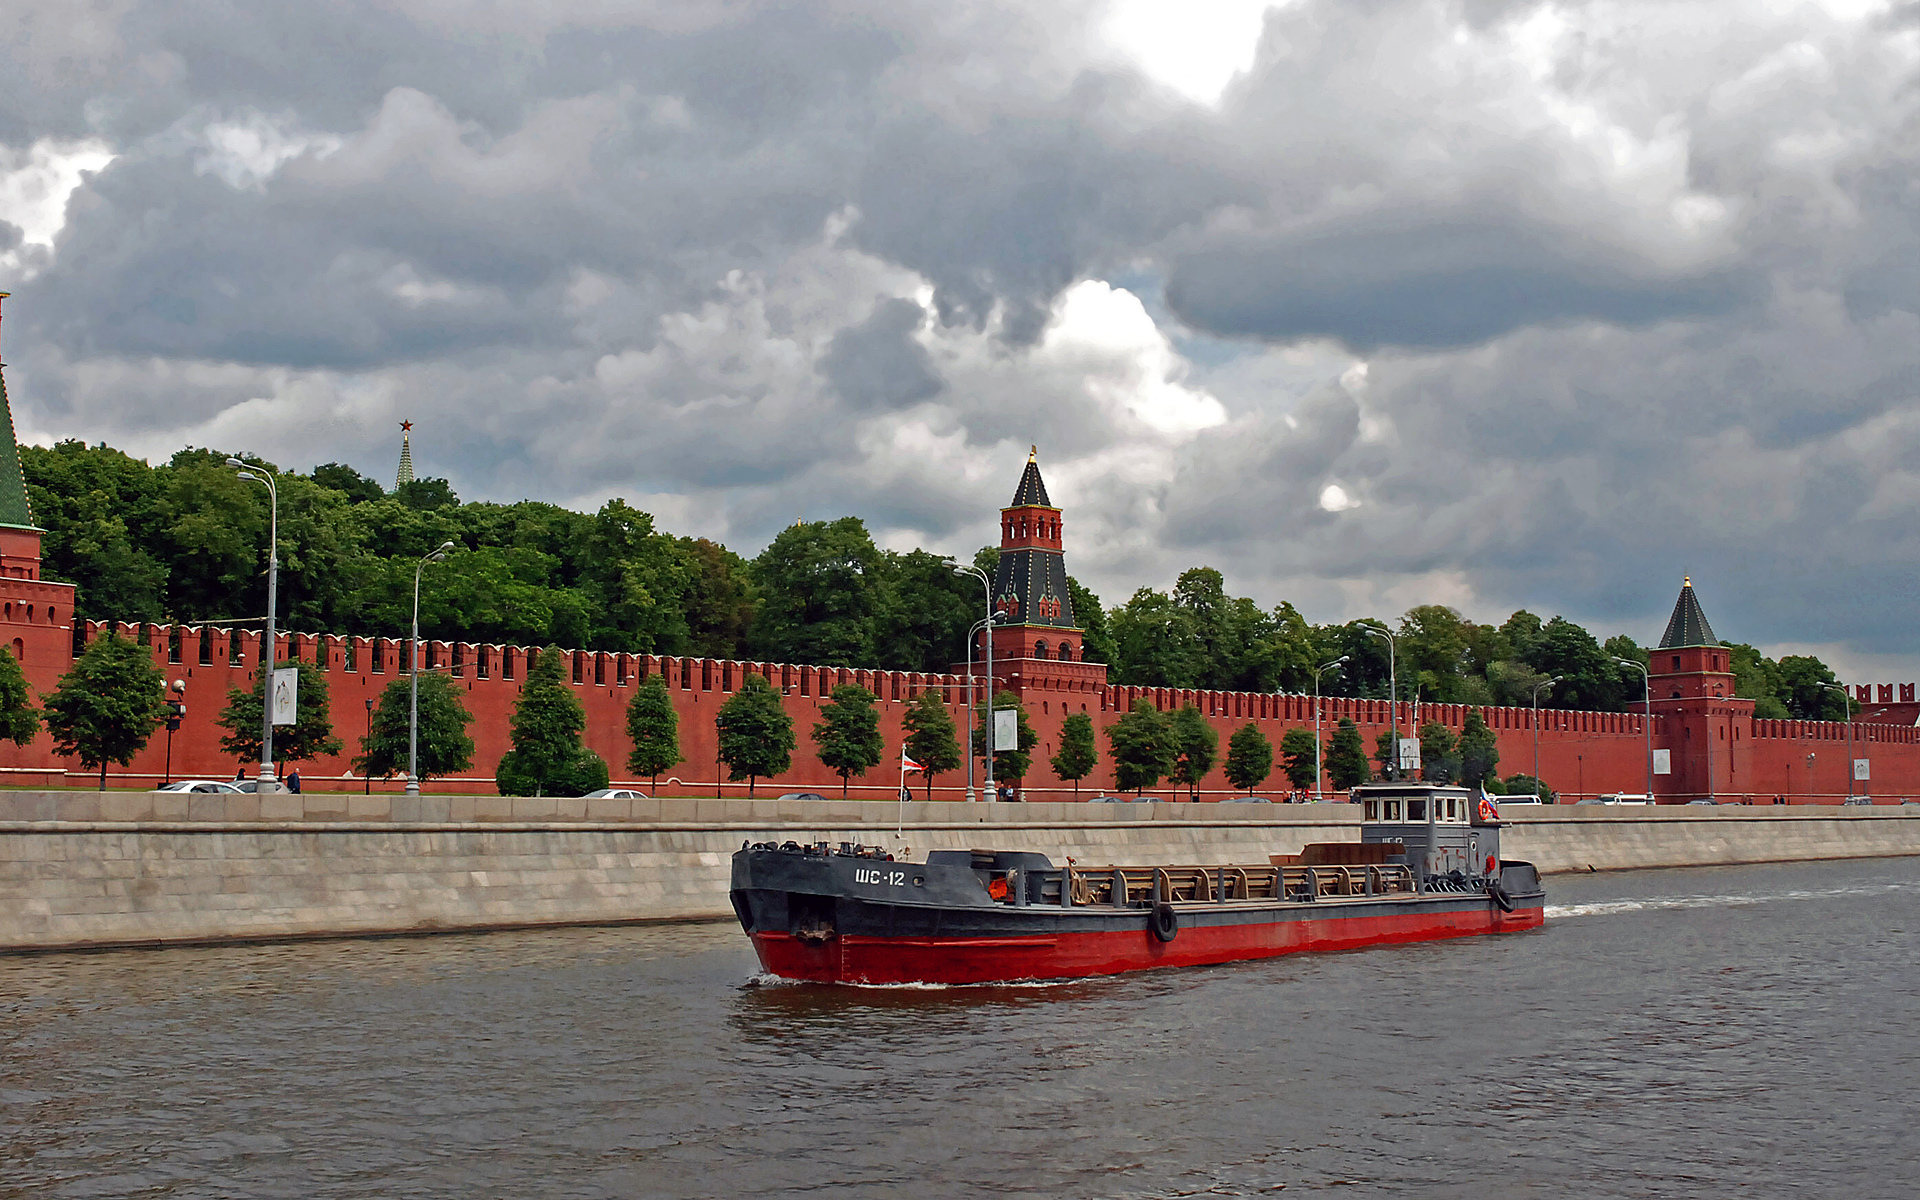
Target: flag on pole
907, 764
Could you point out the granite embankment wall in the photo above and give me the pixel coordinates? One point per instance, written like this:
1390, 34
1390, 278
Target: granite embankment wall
70, 878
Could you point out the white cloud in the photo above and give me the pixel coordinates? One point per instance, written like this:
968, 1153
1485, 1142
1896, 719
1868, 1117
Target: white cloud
34, 186
1195, 47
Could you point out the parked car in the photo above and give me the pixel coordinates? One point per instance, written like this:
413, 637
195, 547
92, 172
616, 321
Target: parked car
1245, 800
1708, 803
1618, 798
1514, 799
802, 796
1857, 800
616, 794
205, 785
1121, 800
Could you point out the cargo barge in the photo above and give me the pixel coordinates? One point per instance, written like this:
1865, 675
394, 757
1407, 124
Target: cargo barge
1427, 866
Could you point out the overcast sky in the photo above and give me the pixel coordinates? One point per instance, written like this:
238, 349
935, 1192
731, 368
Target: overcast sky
1367, 303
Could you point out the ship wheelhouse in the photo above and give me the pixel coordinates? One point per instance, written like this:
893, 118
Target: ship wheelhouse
1437, 826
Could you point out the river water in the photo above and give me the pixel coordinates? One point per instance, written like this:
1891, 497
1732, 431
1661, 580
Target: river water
1742, 1031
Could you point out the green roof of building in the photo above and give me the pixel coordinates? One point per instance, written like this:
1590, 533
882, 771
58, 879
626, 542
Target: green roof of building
1688, 625
14, 509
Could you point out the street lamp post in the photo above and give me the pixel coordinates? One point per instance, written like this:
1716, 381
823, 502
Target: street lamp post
1545, 683
367, 785
1846, 704
971, 712
987, 586
1646, 688
176, 709
1393, 694
413, 677
1317, 768
270, 649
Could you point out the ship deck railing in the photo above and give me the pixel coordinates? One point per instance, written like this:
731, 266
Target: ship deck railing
1075, 886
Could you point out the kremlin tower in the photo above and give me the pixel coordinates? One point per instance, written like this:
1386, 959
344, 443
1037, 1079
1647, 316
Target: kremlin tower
1690, 676
1038, 645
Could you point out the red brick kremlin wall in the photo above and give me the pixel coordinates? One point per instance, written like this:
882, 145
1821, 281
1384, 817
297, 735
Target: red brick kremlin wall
1580, 753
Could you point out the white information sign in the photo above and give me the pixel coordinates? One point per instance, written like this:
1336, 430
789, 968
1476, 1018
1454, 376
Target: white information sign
1860, 769
1006, 729
1663, 762
1409, 754
286, 694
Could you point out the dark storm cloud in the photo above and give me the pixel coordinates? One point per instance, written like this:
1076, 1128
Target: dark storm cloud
1423, 279
877, 364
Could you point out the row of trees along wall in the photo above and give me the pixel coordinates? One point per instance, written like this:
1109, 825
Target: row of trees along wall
1579, 752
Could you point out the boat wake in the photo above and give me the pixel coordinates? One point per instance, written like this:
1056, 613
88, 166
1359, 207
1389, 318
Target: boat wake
1607, 908
764, 979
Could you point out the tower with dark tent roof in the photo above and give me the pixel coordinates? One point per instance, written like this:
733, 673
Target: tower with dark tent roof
1690, 676
1038, 643
36, 615
19, 536
404, 475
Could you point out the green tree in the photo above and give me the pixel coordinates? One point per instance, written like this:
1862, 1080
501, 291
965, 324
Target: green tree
340, 477
1078, 750
1141, 743
1805, 683
1479, 751
847, 736
931, 738
654, 729
19, 719
718, 599
756, 734
548, 758
1299, 752
308, 738
1347, 756
1195, 745
445, 748
925, 611
820, 587
1009, 765
1096, 642
1527, 785
1439, 753
1155, 643
106, 708
1250, 757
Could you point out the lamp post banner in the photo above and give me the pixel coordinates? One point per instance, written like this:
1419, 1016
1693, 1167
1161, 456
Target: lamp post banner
1860, 770
286, 694
1006, 729
1663, 762
1409, 754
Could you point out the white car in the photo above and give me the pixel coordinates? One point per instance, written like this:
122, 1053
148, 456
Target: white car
616, 794
201, 785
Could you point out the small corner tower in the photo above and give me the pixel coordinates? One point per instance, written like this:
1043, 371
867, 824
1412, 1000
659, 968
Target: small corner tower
405, 474
1690, 675
1039, 639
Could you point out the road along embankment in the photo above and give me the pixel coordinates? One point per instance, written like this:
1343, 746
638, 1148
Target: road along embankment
83, 870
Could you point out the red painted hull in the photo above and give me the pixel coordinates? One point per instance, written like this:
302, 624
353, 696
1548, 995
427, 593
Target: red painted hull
1071, 955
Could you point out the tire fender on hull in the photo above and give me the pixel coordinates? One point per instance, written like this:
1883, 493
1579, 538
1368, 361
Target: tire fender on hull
1165, 922
1499, 896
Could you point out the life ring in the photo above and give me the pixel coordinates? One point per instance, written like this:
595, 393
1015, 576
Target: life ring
1165, 923
1492, 864
1499, 896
